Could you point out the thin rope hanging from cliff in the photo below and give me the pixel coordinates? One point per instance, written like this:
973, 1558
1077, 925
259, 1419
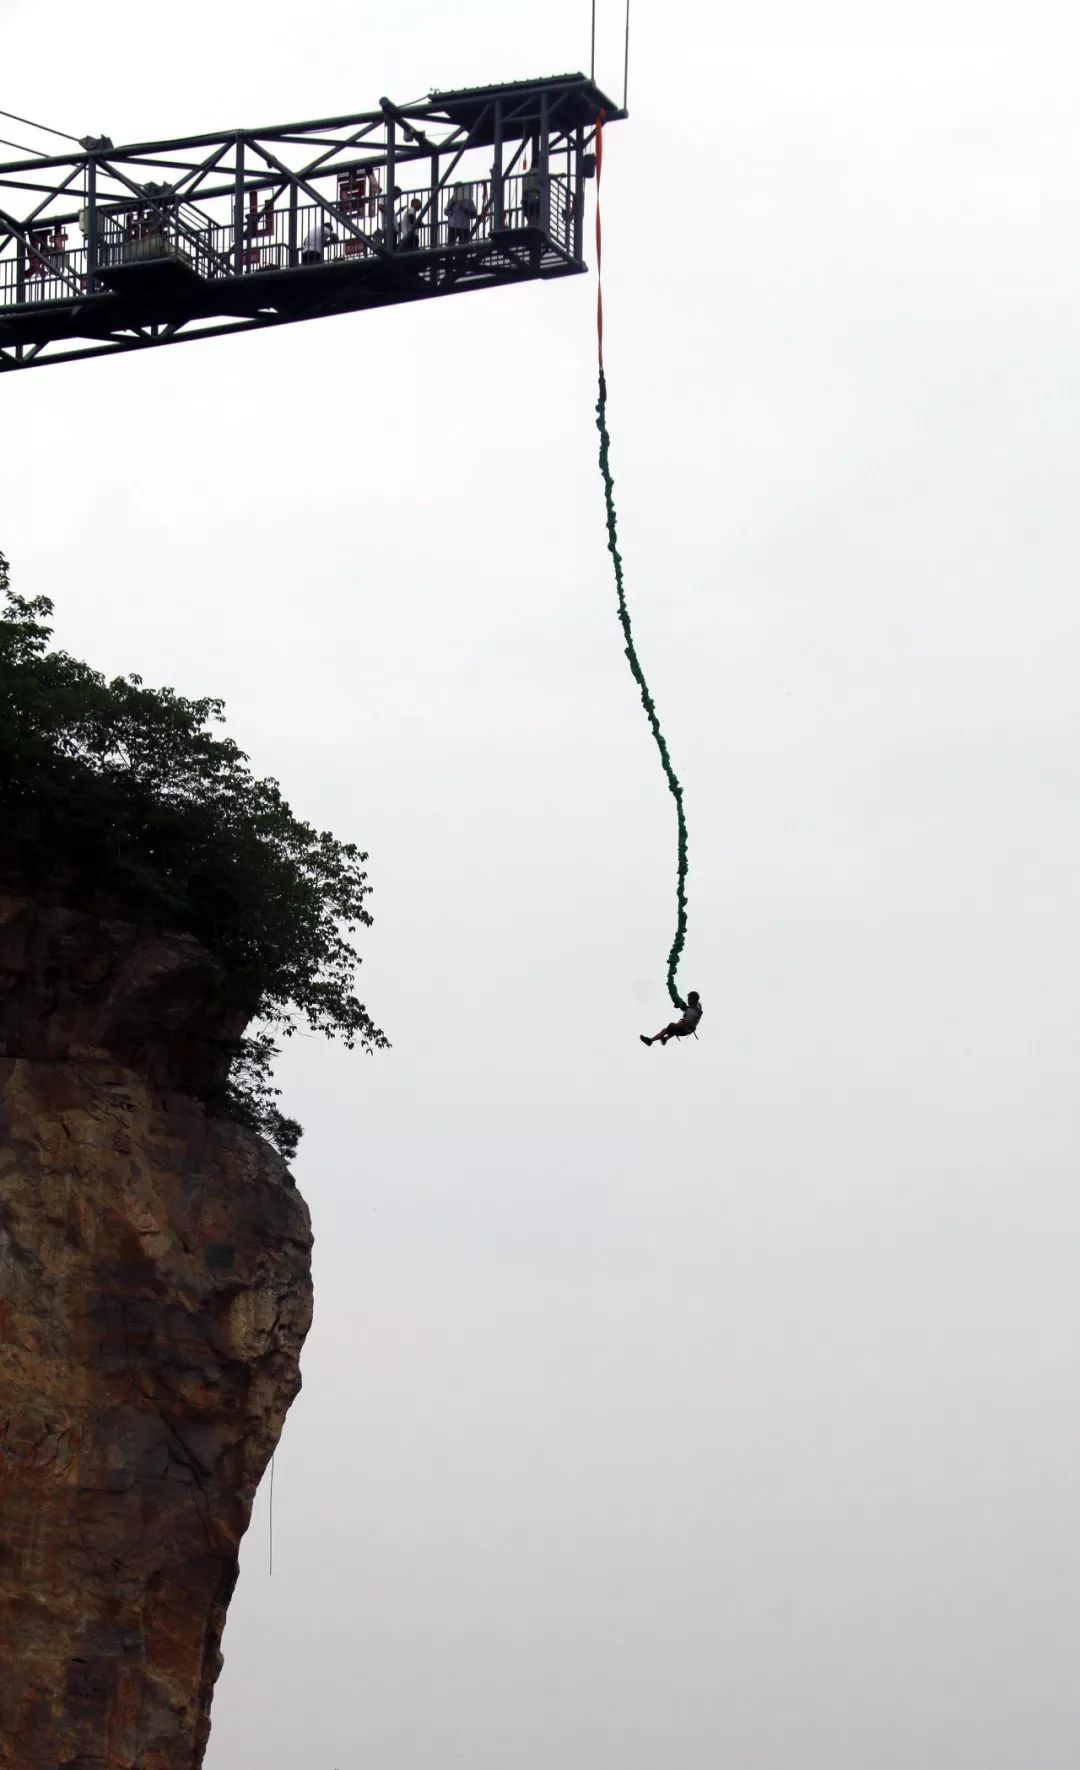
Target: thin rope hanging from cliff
624, 613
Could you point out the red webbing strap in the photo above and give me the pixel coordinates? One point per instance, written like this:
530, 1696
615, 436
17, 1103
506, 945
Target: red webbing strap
599, 242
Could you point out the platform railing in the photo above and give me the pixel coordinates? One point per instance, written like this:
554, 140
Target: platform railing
278, 236
52, 273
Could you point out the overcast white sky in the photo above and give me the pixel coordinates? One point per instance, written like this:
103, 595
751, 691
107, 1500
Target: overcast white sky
716, 1405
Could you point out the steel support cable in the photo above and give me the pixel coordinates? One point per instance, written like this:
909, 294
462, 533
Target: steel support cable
624, 613
62, 133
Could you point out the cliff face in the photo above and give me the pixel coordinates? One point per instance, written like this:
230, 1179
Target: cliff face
154, 1297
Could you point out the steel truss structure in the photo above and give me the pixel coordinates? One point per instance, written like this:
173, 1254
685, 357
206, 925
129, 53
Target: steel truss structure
116, 249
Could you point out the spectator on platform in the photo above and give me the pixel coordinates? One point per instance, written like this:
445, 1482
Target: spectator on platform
319, 235
460, 216
410, 226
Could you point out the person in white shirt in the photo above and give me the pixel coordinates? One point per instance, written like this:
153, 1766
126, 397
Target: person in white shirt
410, 227
319, 235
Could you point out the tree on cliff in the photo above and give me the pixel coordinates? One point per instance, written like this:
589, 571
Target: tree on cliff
122, 792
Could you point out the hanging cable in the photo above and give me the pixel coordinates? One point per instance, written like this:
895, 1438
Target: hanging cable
17, 144
624, 612
626, 58
30, 124
272, 1515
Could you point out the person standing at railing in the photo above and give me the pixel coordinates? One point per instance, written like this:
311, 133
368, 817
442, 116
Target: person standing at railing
319, 235
571, 210
460, 216
387, 234
410, 227
532, 197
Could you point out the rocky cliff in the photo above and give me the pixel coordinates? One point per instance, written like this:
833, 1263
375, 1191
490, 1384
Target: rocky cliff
154, 1297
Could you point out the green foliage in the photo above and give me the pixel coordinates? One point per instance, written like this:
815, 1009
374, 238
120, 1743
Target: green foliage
125, 791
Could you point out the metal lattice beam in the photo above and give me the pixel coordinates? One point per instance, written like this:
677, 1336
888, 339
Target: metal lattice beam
115, 249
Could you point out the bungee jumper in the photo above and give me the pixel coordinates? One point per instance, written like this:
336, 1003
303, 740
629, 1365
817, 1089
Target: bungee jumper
681, 1028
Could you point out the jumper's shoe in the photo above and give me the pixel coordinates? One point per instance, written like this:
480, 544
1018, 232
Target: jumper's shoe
644, 1039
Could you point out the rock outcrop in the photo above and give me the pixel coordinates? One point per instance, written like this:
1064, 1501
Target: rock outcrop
154, 1297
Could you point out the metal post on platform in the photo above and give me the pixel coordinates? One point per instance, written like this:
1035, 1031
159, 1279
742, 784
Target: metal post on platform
292, 226
433, 200
238, 208
497, 168
91, 224
389, 201
579, 191
542, 166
